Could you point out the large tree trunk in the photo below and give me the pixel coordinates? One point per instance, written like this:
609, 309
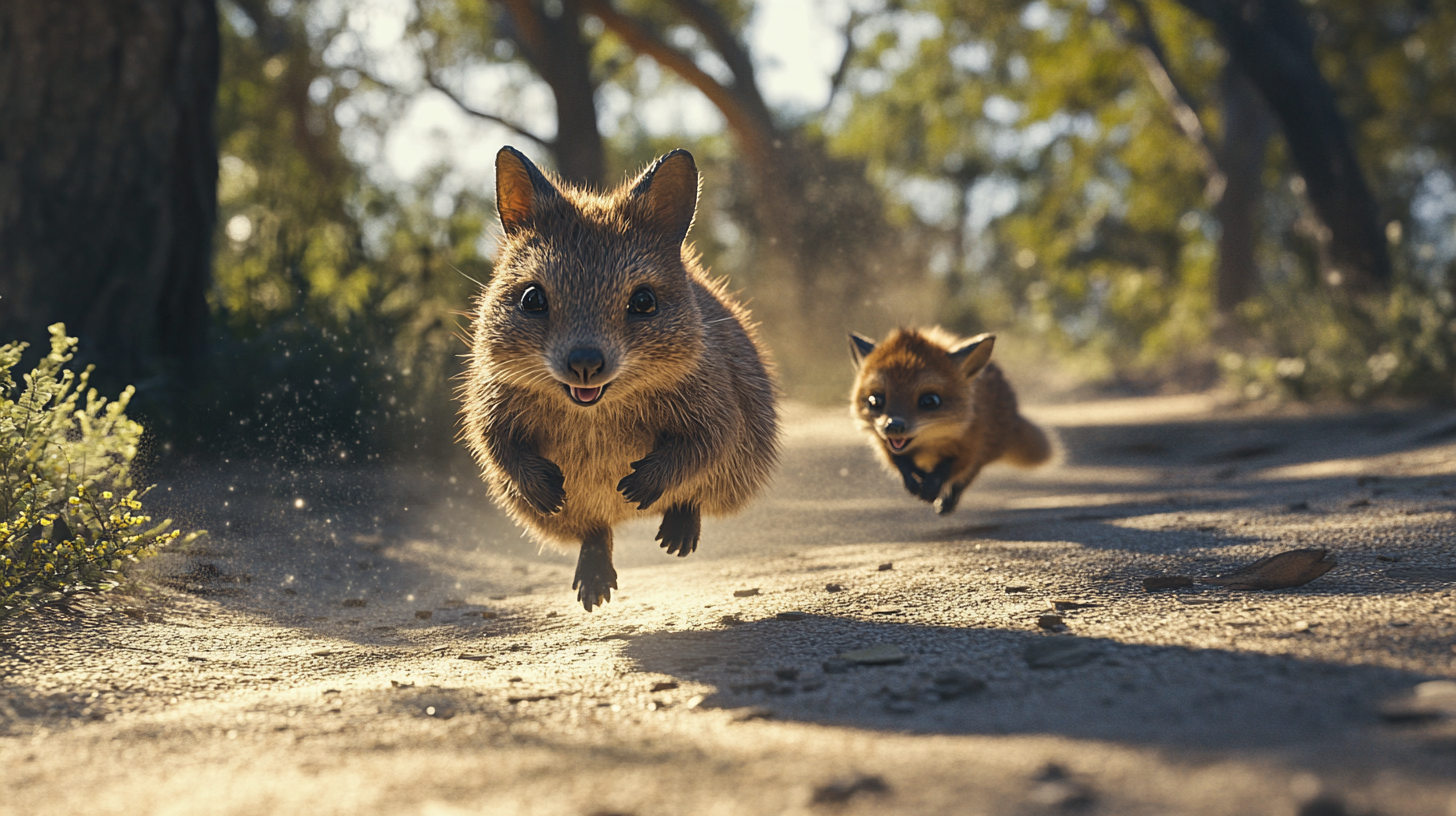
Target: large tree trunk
108, 175
1247, 126
1272, 43
558, 53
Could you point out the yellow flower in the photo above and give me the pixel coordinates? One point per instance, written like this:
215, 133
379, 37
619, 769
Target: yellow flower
73, 500
106, 494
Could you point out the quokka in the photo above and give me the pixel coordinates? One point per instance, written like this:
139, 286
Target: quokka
939, 411
609, 377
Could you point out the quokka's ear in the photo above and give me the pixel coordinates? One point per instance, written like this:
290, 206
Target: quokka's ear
973, 354
667, 192
520, 188
859, 348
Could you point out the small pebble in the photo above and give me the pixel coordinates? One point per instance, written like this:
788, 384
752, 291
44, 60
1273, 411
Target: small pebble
888, 565
1050, 622
881, 655
1166, 582
424, 614
745, 593
833, 588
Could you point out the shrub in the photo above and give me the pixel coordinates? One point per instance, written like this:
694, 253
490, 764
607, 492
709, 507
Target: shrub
70, 519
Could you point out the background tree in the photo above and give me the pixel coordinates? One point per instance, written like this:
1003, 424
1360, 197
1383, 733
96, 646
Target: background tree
108, 164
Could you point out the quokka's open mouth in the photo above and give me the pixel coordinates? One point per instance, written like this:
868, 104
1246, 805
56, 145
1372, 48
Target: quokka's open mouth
586, 396
898, 445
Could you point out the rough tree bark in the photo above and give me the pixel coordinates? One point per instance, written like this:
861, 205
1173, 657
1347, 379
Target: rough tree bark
108, 175
1247, 127
1272, 43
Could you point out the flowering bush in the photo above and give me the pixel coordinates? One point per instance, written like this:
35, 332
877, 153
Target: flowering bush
69, 518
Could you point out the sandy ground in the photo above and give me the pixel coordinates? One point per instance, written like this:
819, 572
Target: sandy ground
382, 642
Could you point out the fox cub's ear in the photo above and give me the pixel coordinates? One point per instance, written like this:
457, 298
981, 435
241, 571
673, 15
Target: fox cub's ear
667, 192
859, 348
973, 354
520, 189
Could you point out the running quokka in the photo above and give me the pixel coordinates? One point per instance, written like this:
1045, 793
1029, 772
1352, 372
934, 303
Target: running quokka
939, 411
609, 378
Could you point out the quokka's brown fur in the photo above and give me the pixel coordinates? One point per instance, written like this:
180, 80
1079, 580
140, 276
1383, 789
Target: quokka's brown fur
594, 408
939, 411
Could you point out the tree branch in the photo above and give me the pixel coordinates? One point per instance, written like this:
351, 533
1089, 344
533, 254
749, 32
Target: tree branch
272, 31
749, 121
1273, 44
1180, 103
715, 28
528, 32
836, 80
434, 82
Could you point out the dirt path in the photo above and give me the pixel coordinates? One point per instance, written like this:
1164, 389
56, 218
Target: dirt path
380, 641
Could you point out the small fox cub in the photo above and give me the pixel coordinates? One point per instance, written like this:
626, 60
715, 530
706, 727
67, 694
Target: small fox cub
940, 411
609, 378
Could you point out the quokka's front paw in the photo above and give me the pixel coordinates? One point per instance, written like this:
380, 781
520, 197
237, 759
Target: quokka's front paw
641, 486
681, 528
595, 578
544, 488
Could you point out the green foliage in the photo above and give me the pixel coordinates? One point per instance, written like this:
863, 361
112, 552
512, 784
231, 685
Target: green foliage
1401, 346
70, 518
338, 294
1076, 207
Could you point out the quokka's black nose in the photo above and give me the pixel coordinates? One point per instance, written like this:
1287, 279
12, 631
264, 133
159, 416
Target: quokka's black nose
586, 362
896, 425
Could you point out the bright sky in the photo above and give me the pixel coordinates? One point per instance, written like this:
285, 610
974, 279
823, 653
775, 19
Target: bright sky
797, 44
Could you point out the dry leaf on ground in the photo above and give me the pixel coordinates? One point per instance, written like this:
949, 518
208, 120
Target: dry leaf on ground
1287, 569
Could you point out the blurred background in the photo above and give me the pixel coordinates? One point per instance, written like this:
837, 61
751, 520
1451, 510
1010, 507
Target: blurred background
271, 215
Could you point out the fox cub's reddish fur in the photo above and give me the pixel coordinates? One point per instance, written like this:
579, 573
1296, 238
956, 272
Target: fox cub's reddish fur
609, 378
939, 411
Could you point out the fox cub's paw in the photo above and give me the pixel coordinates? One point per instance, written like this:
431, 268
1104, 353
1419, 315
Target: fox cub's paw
945, 505
680, 530
595, 578
543, 486
930, 486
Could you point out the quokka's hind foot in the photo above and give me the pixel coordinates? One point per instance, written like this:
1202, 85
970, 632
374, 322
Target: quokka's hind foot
595, 576
681, 527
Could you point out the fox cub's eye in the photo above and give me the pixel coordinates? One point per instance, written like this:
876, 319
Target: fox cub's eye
929, 402
875, 402
533, 299
642, 302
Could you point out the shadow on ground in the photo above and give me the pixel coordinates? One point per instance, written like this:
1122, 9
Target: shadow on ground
979, 681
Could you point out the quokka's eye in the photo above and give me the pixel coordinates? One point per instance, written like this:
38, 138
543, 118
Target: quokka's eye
533, 299
642, 302
875, 402
929, 402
